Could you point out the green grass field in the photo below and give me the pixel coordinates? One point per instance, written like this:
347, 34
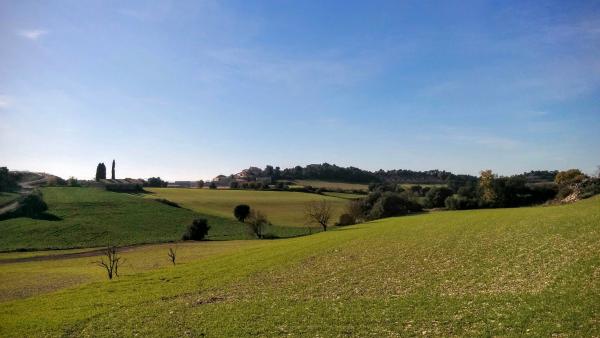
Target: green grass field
89, 217
282, 208
332, 185
7, 197
505, 272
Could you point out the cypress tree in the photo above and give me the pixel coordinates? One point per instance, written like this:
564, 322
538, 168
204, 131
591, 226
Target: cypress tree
113, 170
100, 172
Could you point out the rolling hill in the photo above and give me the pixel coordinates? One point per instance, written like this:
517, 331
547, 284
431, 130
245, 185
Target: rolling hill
509, 272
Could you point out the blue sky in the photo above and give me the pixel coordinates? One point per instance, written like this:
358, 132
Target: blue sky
188, 90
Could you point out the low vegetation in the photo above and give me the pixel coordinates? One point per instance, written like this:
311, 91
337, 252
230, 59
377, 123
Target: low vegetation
196, 231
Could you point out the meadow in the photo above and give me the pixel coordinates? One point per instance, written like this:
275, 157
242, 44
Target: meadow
89, 217
7, 197
332, 185
282, 208
513, 272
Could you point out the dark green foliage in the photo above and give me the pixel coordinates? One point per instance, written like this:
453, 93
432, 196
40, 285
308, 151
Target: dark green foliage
590, 187
212, 185
346, 219
241, 212
436, 196
389, 204
234, 185
197, 230
113, 170
156, 182
100, 172
73, 182
8, 181
32, 205
200, 184
458, 202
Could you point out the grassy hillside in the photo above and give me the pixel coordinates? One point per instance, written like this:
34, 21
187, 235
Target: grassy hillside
7, 197
515, 272
85, 217
282, 208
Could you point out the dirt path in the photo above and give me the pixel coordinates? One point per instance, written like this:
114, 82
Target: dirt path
9, 207
90, 253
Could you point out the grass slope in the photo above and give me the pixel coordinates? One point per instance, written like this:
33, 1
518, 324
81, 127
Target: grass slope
282, 208
90, 217
332, 185
7, 197
515, 272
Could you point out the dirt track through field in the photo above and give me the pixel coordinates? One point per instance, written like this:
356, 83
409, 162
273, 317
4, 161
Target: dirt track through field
90, 253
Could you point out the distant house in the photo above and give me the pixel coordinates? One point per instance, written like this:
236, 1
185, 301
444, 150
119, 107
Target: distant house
222, 180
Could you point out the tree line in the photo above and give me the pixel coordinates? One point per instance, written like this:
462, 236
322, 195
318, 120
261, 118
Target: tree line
332, 172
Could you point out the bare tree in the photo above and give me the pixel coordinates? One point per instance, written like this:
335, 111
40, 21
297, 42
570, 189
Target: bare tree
355, 209
257, 222
111, 261
172, 254
318, 212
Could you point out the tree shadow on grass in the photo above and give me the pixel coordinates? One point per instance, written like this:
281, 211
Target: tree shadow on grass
46, 216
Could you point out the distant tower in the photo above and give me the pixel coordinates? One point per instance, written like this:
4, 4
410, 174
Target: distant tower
113, 170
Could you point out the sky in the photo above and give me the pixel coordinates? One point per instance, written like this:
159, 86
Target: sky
187, 90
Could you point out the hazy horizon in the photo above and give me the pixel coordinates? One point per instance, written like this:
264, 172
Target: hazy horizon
187, 90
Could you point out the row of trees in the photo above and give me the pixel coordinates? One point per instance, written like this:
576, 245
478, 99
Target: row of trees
332, 172
101, 171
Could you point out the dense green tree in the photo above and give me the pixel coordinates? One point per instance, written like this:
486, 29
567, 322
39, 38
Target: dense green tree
436, 197
241, 212
112, 176
100, 172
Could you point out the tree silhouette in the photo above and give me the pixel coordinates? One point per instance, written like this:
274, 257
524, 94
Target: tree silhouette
100, 172
113, 170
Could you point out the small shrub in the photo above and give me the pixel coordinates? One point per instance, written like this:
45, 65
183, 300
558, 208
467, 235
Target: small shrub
346, 219
197, 230
457, 202
234, 185
33, 205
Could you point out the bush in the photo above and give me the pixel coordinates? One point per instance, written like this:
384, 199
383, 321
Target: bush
156, 182
436, 197
234, 185
241, 212
346, 219
197, 230
590, 188
458, 202
212, 185
73, 182
32, 205
388, 205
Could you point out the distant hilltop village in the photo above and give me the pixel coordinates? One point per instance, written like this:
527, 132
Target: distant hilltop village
252, 174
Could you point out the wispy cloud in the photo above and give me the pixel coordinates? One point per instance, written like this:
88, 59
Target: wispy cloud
32, 34
4, 101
